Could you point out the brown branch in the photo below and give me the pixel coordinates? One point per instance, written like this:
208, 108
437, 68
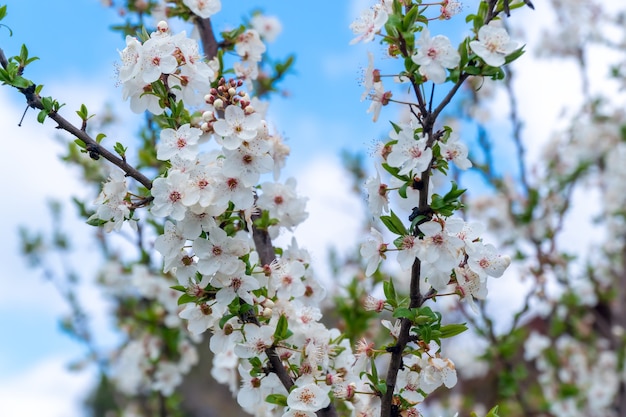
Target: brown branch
207, 37
91, 145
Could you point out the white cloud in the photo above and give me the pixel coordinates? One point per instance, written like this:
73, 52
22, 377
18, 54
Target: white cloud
335, 212
47, 388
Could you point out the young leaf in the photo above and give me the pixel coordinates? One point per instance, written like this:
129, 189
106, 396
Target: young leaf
450, 330
394, 224
186, 298
278, 399
282, 329
390, 293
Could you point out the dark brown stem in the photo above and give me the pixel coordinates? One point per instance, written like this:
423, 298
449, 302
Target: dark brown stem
33, 100
207, 37
265, 249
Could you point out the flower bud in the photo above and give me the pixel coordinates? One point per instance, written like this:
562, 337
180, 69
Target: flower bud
162, 26
218, 104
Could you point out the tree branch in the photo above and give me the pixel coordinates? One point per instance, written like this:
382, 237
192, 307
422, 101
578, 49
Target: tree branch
207, 37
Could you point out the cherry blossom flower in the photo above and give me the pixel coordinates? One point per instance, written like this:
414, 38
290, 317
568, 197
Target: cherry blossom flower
283, 203
371, 76
407, 251
309, 397
236, 127
248, 161
171, 242
493, 44
183, 266
157, 58
369, 23
485, 261
219, 252
249, 46
409, 385
440, 246
379, 98
434, 55
237, 284
131, 57
471, 286
172, 195
167, 377
257, 339
410, 154
298, 413
286, 279
435, 372
203, 8
456, 151
373, 251
111, 204
254, 390
198, 316
232, 189
377, 195
182, 142
268, 27
450, 8
141, 97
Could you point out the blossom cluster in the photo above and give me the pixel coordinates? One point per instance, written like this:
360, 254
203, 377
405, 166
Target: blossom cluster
172, 60
263, 311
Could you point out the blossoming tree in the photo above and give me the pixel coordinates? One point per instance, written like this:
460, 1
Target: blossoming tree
206, 202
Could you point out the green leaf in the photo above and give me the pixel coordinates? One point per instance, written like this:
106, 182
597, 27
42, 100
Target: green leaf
82, 112
493, 412
472, 70
410, 18
80, 143
282, 329
450, 330
100, 137
95, 222
394, 224
41, 117
3, 11
390, 293
402, 190
514, 55
405, 313
21, 82
396, 127
186, 298
224, 319
278, 399
395, 171
120, 149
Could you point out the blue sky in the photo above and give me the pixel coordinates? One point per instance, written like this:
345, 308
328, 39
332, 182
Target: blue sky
77, 51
